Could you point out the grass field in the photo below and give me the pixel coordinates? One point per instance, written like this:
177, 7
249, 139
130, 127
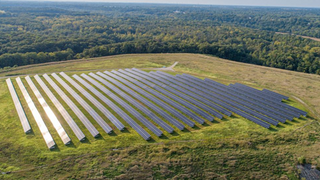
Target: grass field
232, 148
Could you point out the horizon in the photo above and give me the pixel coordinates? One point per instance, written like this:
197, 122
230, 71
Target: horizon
246, 3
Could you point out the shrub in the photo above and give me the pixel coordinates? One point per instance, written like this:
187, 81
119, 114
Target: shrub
302, 160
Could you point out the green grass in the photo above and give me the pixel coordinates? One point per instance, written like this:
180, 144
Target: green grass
233, 148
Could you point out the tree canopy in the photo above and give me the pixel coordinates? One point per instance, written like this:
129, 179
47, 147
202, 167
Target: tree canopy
44, 32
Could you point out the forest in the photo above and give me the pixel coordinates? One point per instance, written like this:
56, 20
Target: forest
33, 32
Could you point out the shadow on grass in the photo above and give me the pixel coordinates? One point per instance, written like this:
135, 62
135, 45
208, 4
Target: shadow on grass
151, 140
71, 145
113, 134
125, 130
233, 116
163, 137
216, 121
288, 100
288, 123
196, 127
273, 129
100, 137
175, 133
86, 141
186, 130
310, 117
225, 119
306, 118
295, 120
280, 126
205, 124
56, 149
30, 135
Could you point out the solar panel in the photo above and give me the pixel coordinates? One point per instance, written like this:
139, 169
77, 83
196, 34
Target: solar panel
77, 131
242, 101
251, 118
258, 109
167, 100
216, 87
248, 105
52, 117
197, 100
22, 115
238, 101
272, 104
37, 117
83, 103
142, 89
93, 131
174, 97
135, 113
280, 96
162, 73
173, 94
220, 101
290, 108
142, 99
152, 116
215, 83
200, 97
257, 93
252, 90
247, 110
170, 87
104, 110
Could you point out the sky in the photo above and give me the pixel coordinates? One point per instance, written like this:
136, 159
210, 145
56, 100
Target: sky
283, 3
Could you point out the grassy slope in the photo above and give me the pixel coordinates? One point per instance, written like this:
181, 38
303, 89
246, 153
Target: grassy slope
233, 147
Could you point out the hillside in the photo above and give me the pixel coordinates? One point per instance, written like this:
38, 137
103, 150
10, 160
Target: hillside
221, 149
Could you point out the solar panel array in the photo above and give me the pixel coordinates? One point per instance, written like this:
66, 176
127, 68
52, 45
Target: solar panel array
50, 114
86, 122
135, 103
153, 102
36, 115
83, 103
22, 115
142, 89
75, 128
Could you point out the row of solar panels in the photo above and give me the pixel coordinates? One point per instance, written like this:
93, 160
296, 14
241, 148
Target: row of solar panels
179, 100
181, 87
80, 115
221, 99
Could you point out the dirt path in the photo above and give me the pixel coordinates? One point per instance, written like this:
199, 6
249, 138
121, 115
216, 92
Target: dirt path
315, 114
170, 68
306, 105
